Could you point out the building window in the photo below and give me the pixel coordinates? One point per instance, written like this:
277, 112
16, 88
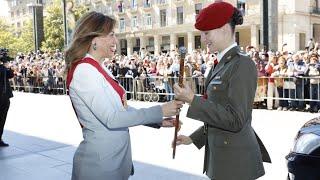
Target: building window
241, 5
121, 7
163, 17
18, 24
198, 8
12, 14
134, 22
133, 3
165, 39
122, 25
151, 41
148, 20
317, 3
23, 11
180, 41
302, 41
13, 3
138, 42
147, 3
179, 15
197, 42
18, 13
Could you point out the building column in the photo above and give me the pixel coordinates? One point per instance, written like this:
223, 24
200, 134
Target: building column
129, 46
143, 42
254, 36
118, 49
190, 42
273, 24
156, 45
173, 41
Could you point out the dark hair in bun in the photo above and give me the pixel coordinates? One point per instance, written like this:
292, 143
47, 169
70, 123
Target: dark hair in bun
236, 19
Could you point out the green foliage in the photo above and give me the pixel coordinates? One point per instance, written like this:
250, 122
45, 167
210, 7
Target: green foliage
53, 28
25, 42
79, 10
14, 40
5, 35
22, 40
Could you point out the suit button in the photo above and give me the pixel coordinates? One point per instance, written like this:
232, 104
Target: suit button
225, 142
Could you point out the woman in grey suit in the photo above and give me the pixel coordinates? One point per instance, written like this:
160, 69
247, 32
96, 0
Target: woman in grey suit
100, 104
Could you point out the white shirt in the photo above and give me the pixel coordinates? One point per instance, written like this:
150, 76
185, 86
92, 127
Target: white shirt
221, 54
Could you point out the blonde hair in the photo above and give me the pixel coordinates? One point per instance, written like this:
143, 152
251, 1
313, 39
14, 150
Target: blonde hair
89, 26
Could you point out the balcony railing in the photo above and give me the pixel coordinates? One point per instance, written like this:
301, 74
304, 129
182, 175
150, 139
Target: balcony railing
134, 8
162, 1
315, 10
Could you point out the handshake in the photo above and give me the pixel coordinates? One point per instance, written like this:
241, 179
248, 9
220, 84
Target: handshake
182, 95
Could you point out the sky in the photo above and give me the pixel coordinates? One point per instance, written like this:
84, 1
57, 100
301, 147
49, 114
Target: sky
4, 8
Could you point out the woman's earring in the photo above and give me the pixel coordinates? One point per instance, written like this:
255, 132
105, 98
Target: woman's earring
94, 46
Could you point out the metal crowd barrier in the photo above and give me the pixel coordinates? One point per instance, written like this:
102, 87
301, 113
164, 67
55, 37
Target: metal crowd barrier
44, 85
298, 88
160, 89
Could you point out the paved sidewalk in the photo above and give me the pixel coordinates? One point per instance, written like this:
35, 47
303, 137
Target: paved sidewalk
43, 134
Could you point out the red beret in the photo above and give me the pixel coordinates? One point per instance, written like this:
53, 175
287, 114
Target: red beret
214, 16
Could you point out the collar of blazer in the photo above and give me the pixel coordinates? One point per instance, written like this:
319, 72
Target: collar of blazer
225, 59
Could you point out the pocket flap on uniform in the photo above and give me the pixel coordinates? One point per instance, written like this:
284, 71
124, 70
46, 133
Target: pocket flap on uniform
216, 82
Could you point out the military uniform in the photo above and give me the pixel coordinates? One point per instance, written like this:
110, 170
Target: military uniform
233, 151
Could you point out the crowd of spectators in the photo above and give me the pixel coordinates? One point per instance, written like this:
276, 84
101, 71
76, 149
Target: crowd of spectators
38, 72
288, 75
283, 75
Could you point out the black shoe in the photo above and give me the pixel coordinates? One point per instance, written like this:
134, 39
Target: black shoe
3, 144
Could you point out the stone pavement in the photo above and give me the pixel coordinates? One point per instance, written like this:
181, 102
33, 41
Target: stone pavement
43, 134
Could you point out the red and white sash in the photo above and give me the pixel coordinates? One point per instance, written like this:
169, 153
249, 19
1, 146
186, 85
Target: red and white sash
115, 85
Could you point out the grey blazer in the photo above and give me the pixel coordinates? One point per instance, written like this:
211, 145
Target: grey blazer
233, 151
105, 152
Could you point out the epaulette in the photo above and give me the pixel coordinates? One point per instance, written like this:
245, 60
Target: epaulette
242, 53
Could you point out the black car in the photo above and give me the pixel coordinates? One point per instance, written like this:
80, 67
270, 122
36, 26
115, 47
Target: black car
304, 160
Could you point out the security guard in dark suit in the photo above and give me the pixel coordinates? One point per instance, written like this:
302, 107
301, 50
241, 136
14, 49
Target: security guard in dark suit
233, 151
5, 91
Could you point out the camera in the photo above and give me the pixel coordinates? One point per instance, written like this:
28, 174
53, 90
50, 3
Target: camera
4, 55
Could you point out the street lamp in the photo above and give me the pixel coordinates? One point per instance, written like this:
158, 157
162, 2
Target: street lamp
65, 29
37, 35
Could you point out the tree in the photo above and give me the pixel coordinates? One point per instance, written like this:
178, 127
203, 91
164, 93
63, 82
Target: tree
6, 37
74, 12
25, 41
79, 10
53, 28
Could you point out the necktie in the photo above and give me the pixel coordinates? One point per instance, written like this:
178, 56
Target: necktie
215, 62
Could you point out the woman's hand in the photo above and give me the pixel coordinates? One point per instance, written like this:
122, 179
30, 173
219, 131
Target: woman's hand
171, 108
171, 122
